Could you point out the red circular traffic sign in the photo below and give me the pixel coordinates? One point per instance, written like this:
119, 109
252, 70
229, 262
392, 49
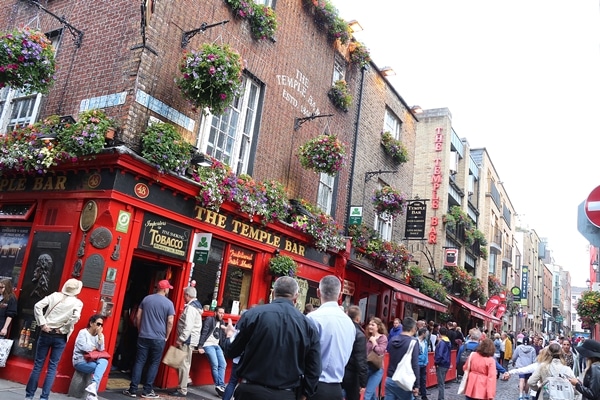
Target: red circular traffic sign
592, 207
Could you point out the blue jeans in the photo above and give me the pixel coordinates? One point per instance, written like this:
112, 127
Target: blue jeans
373, 380
93, 367
423, 380
395, 392
217, 363
233, 381
148, 351
440, 373
53, 344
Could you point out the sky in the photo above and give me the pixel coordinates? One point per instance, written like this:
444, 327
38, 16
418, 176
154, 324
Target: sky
520, 78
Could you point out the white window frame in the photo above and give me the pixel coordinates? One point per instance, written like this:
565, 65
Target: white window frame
268, 3
339, 71
392, 124
232, 146
383, 224
325, 192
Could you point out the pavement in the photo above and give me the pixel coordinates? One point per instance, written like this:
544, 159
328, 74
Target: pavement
505, 390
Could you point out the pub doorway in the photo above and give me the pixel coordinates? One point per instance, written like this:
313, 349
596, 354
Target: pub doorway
144, 276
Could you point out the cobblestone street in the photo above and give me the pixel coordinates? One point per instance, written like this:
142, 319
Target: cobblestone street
505, 390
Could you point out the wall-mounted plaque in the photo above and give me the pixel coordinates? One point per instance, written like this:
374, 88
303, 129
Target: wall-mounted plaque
88, 215
92, 271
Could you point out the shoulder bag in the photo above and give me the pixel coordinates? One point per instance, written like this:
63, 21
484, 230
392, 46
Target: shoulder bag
404, 376
463, 382
94, 355
374, 360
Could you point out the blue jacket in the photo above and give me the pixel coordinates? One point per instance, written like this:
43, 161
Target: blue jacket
423, 353
442, 353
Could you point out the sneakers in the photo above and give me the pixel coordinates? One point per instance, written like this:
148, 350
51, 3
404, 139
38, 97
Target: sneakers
220, 390
150, 395
92, 389
90, 397
177, 393
127, 393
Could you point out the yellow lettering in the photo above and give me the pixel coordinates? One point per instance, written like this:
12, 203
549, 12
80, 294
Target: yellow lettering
254, 233
245, 229
48, 184
37, 183
60, 183
211, 217
236, 226
221, 221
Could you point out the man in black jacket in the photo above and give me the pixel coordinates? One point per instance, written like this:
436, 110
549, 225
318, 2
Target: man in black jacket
211, 343
281, 347
355, 374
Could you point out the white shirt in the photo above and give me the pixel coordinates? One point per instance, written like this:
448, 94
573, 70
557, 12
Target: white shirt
337, 334
63, 312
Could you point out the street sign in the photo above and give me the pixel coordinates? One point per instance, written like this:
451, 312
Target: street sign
592, 206
355, 217
558, 319
586, 228
415, 220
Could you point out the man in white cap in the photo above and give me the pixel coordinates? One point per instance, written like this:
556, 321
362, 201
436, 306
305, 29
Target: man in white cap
154, 320
63, 310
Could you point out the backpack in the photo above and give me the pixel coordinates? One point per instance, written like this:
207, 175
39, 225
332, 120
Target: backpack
464, 356
557, 388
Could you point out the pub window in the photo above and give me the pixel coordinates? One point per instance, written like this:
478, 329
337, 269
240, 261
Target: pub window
339, 71
225, 279
392, 124
325, 193
268, 3
383, 222
228, 137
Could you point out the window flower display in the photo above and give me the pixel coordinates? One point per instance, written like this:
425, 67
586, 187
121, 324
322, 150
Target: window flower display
26, 60
211, 76
394, 148
86, 136
322, 227
164, 147
340, 96
389, 201
325, 153
263, 22
217, 184
359, 54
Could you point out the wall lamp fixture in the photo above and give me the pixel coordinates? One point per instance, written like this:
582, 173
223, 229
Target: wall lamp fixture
354, 26
387, 71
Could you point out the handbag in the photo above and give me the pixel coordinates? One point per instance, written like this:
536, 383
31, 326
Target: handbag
375, 360
174, 357
463, 383
95, 355
404, 376
5, 346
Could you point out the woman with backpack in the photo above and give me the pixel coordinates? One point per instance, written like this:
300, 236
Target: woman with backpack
524, 355
481, 366
590, 387
552, 368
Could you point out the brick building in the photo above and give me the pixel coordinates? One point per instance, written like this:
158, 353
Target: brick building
122, 59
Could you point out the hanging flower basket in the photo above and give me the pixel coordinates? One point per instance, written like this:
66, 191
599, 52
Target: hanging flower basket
325, 153
26, 61
389, 201
282, 266
211, 76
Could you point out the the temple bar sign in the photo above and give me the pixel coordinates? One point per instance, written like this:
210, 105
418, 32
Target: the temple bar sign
416, 212
160, 235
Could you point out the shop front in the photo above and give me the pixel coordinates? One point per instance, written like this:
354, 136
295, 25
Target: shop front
476, 317
120, 229
384, 297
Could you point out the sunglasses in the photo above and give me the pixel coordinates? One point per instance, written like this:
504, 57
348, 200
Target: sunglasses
99, 324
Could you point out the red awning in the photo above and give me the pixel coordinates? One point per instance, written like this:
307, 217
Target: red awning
406, 293
475, 311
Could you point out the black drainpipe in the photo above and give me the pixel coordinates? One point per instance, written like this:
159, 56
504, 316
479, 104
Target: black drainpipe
356, 130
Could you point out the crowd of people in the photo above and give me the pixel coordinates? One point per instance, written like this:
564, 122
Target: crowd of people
325, 353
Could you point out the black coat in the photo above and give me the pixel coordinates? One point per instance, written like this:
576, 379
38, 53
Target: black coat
591, 383
8, 308
357, 368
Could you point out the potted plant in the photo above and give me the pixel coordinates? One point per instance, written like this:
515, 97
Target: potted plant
327, 16
22, 151
495, 286
394, 148
323, 229
26, 60
325, 153
164, 147
211, 77
86, 136
340, 95
389, 201
282, 266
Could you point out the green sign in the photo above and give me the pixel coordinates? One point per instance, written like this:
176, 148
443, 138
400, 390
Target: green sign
202, 247
559, 318
355, 217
